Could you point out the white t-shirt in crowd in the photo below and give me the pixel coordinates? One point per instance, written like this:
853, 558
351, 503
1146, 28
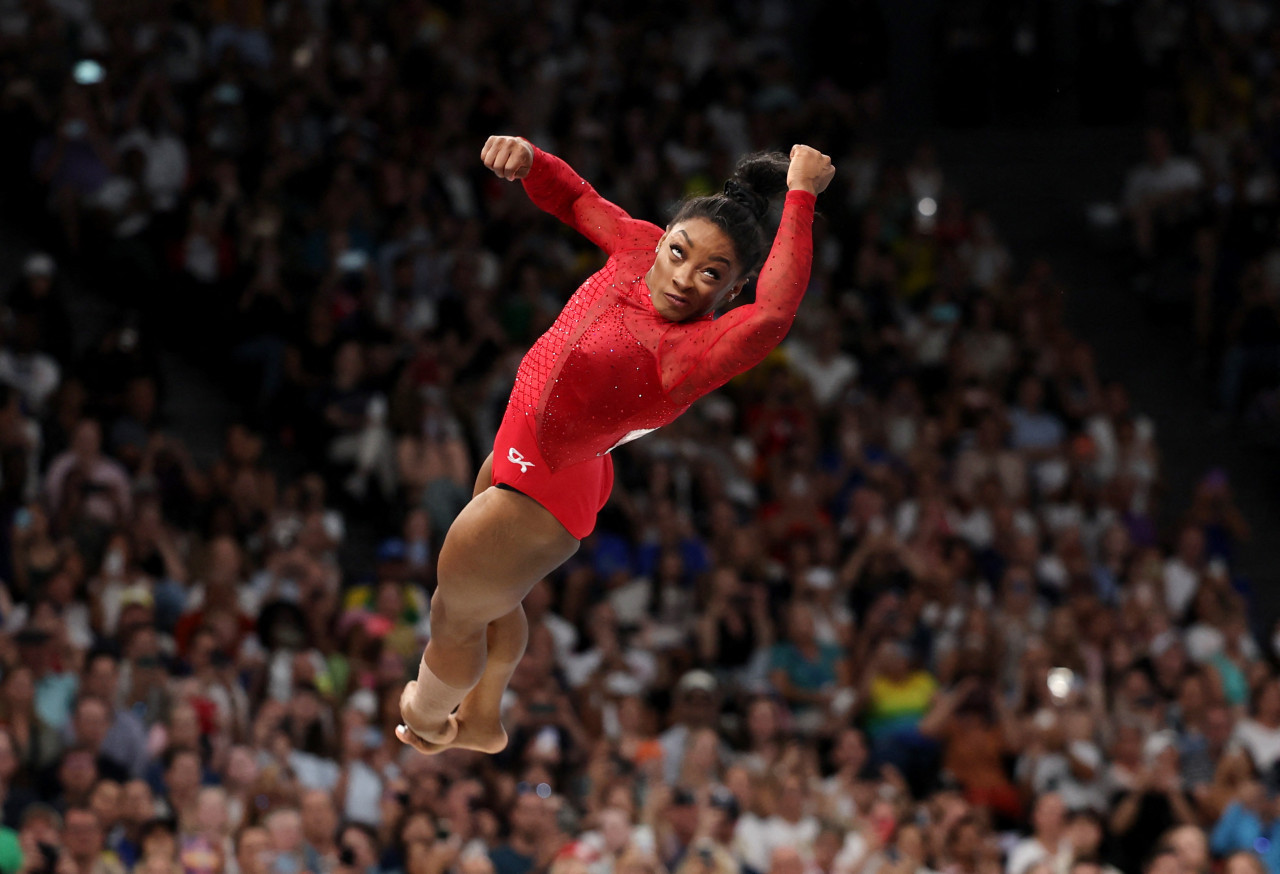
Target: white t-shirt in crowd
1180, 585
364, 795
1177, 175
167, 165
756, 838
1261, 743
826, 379
564, 636
1052, 773
33, 375
580, 668
1029, 851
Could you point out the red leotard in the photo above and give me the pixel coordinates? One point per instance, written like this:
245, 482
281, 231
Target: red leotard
612, 368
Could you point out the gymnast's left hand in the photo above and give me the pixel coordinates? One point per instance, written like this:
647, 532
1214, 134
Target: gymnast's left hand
810, 170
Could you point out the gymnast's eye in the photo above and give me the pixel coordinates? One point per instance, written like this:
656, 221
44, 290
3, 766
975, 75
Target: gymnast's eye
676, 251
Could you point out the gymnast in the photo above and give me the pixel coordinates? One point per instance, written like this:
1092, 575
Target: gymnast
634, 347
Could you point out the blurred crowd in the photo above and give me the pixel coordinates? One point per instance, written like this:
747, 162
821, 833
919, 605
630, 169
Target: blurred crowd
898, 601
1202, 203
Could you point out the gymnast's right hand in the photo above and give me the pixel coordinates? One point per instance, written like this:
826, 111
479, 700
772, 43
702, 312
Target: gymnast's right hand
508, 157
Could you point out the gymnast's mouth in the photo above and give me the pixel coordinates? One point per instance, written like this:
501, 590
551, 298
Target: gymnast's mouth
677, 299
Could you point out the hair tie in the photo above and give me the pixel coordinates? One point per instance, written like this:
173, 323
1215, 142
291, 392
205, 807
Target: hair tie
739, 193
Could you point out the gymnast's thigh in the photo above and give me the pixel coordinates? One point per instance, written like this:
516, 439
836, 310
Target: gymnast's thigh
501, 544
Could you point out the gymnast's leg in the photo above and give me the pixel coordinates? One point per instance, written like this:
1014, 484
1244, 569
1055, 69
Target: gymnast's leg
480, 713
479, 716
501, 544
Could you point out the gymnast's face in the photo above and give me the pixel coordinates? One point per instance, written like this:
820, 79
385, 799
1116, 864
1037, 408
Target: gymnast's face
695, 271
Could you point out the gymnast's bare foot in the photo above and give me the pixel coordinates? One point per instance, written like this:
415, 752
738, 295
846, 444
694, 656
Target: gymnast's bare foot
426, 739
475, 732
480, 737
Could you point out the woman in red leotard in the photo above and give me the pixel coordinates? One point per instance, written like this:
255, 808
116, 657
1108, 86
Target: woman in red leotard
633, 348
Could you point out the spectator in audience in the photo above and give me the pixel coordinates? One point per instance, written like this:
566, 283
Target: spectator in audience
84, 485
807, 672
25, 367
253, 851
356, 419
1145, 811
696, 706
1160, 192
90, 723
38, 297
82, 842
529, 842
896, 696
1049, 839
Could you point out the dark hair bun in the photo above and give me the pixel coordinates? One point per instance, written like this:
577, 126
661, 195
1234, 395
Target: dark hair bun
757, 178
745, 195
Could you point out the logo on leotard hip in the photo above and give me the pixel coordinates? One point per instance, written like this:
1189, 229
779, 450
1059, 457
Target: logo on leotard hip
515, 457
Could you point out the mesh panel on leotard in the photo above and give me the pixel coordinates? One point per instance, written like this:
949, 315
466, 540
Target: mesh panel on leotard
610, 365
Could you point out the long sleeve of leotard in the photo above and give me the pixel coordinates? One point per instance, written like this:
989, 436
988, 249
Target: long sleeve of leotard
555, 188
740, 339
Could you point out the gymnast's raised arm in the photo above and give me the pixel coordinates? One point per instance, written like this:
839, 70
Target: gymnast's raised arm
556, 188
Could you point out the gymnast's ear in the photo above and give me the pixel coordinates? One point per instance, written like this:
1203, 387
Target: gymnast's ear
736, 288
